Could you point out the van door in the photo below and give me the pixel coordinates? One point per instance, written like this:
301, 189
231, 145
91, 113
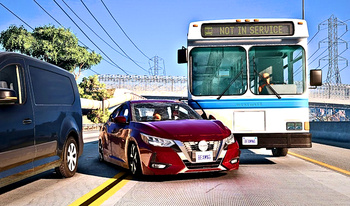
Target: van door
16, 121
53, 97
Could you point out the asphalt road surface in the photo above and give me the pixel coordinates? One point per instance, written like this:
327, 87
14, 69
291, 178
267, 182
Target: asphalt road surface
313, 176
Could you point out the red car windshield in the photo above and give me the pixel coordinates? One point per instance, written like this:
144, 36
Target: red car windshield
162, 111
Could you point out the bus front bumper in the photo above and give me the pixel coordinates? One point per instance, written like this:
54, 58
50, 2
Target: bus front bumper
273, 140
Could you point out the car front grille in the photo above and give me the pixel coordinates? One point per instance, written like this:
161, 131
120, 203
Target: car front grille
192, 147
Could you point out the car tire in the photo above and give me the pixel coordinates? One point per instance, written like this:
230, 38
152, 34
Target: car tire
134, 160
69, 163
279, 152
100, 152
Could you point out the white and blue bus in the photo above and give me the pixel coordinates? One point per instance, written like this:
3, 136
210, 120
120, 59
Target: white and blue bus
252, 75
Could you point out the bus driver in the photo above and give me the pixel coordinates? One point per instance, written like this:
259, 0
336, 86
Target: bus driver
263, 83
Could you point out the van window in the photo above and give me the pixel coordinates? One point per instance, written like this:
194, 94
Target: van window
50, 87
11, 77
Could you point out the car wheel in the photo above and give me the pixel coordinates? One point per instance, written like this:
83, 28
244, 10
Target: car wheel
134, 160
100, 151
69, 163
278, 152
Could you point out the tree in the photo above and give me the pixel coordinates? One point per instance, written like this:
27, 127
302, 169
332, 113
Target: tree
17, 39
57, 46
91, 88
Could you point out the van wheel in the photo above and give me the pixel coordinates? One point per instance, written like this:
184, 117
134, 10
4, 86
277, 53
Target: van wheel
134, 160
278, 152
69, 163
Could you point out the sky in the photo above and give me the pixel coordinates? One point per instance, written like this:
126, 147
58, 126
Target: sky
159, 28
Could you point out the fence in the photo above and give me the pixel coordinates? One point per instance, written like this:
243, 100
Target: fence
146, 85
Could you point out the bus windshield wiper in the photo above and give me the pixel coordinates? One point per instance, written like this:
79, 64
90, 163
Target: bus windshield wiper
273, 91
229, 85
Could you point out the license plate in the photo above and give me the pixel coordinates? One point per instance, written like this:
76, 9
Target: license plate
250, 140
206, 156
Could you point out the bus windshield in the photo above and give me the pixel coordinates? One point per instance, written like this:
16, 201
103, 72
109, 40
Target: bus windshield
280, 66
218, 71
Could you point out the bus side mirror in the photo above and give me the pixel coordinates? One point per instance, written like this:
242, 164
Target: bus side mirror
8, 96
316, 77
181, 55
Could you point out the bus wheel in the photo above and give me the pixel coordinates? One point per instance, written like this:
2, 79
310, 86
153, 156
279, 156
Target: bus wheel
278, 152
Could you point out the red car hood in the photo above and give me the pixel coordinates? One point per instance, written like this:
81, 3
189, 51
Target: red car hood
186, 130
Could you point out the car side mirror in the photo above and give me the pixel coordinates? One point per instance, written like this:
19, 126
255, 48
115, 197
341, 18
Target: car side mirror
211, 117
316, 77
120, 120
8, 96
182, 55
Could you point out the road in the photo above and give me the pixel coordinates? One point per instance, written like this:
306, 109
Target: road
260, 180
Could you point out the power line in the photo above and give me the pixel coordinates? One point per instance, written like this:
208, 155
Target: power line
313, 37
63, 27
16, 16
92, 29
110, 36
89, 37
95, 72
123, 30
58, 24
48, 14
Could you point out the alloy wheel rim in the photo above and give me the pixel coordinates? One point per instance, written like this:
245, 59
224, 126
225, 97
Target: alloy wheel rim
72, 157
133, 157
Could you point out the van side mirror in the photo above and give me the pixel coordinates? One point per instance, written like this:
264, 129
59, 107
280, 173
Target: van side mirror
120, 120
182, 55
316, 77
8, 96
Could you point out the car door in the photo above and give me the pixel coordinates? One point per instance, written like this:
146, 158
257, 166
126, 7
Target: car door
120, 134
17, 149
109, 132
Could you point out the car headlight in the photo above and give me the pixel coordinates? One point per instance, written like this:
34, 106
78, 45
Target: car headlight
157, 141
230, 139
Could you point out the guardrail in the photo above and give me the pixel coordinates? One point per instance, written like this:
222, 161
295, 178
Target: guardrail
335, 131
90, 127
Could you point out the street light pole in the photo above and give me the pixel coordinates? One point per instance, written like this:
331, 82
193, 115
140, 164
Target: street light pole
303, 14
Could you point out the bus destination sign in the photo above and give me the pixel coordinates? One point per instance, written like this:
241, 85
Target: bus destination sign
247, 29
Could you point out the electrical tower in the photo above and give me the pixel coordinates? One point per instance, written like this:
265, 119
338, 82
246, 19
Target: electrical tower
156, 66
333, 58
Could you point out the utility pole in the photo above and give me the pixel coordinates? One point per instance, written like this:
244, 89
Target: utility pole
333, 40
303, 6
157, 66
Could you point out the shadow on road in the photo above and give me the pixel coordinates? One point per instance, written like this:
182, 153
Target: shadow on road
90, 165
250, 158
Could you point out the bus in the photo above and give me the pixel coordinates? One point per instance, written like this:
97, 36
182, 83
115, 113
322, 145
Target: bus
252, 75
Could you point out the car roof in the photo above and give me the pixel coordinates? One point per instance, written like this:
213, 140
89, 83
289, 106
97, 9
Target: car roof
153, 101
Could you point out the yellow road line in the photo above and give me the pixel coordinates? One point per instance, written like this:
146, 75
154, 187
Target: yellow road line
320, 163
103, 186
110, 192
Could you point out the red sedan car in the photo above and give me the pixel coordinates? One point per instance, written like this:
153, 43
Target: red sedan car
160, 137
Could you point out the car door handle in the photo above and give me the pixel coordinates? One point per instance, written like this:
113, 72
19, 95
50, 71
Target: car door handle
27, 121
